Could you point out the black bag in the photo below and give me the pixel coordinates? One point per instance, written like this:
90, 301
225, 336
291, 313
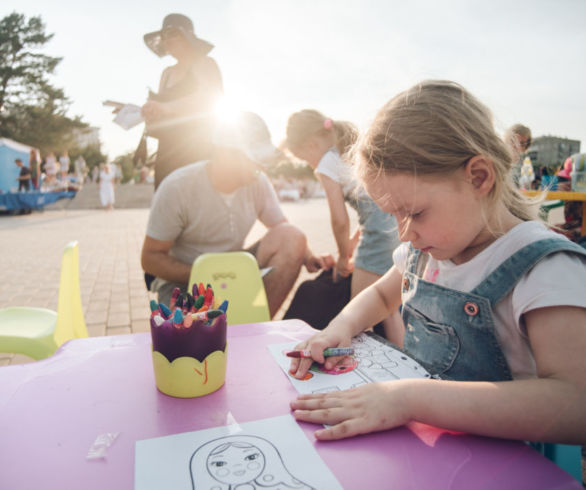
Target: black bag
317, 301
140, 155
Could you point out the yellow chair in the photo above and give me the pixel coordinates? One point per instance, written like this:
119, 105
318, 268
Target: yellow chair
38, 332
234, 276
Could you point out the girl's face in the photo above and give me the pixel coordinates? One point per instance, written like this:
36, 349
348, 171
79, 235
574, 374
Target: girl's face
235, 466
442, 216
311, 151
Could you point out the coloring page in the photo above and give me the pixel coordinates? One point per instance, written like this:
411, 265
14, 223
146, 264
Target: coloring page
271, 453
376, 360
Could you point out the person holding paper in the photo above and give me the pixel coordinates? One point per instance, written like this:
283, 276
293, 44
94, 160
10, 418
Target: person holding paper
179, 115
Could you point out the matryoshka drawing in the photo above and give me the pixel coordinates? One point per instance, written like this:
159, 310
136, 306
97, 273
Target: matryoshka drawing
240, 462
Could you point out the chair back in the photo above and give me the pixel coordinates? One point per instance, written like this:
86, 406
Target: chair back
234, 276
70, 320
568, 458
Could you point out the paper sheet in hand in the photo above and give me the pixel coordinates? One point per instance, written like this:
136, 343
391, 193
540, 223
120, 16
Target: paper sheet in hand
377, 361
268, 453
129, 116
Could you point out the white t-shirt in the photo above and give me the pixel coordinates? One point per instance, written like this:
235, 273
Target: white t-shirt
332, 166
542, 286
187, 210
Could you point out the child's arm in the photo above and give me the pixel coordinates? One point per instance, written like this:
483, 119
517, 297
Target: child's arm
548, 408
340, 222
365, 310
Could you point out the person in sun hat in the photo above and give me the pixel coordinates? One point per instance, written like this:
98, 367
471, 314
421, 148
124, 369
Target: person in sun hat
179, 114
211, 205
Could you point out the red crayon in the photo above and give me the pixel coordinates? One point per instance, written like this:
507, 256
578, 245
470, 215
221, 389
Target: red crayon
208, 296
174, 295
201, 289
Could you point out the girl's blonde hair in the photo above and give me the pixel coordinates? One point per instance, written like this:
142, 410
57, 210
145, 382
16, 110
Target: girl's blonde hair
304, 124
435, 128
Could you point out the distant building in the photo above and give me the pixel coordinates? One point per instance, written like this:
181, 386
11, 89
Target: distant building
85, 137
552, 151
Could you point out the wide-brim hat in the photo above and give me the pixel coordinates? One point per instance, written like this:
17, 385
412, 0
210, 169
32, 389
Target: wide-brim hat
248, 133
154, 40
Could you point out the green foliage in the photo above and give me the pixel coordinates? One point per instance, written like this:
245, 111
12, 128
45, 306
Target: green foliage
127, 166
291, 170
32, 111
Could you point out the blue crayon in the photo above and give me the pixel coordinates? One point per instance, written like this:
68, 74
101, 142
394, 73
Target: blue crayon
165, 310
223, 306
154, 306
178, 318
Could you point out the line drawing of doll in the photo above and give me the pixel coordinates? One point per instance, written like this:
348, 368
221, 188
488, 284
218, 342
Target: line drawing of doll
240, 462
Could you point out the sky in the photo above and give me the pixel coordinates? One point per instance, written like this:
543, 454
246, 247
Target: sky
346, 58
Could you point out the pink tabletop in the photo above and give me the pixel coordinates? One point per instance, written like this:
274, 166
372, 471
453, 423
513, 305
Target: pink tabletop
51, 412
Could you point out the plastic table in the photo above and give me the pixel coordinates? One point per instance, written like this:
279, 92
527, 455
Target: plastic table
51, 412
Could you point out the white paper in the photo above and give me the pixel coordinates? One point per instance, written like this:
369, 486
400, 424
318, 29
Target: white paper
268, 453
128, 116
377, 361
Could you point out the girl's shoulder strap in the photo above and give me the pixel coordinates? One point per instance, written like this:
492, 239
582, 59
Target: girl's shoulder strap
505, 277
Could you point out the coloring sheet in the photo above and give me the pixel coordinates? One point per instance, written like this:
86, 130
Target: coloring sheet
377, 360
264, 454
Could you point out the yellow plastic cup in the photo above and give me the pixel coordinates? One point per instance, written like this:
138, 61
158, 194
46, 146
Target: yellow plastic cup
186, 377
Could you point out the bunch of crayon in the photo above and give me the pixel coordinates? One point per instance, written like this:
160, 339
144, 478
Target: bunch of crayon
184, 308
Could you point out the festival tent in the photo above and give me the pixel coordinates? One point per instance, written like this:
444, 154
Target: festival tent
9, 151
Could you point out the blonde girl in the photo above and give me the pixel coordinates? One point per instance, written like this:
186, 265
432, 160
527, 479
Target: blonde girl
323, 144
493, 301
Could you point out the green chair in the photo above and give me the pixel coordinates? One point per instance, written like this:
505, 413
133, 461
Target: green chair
234, 276
38, 332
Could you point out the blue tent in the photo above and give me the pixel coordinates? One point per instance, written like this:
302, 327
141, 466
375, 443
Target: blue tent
9, 151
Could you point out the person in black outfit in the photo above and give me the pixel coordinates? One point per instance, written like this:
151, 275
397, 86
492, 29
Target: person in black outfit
180, 114
24, 178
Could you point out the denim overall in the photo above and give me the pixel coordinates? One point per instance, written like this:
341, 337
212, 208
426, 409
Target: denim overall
452, 333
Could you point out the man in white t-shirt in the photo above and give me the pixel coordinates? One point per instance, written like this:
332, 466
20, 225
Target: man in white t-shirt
210, 206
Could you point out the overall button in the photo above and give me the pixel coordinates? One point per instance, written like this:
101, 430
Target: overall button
406, 284
471, 309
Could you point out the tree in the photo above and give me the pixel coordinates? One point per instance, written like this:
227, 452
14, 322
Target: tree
32, 111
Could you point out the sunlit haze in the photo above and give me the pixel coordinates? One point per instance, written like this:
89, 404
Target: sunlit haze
524, 59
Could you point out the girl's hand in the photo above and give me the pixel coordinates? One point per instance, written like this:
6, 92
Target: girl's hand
368, 408
344, 267
328, 337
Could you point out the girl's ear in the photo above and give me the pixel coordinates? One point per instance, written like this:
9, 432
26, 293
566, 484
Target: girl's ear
481, 174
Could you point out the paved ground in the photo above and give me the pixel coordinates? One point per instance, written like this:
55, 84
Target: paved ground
114, 297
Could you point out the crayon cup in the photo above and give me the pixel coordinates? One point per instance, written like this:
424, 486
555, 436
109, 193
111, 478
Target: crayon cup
190, 361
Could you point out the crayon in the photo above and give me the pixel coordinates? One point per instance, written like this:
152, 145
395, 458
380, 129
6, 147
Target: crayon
201, 290
206, 315
158, 319
329, 352
187, 321
223, 306
165, 310
177, 318
198, 302
154, 306
208, 296
174, 295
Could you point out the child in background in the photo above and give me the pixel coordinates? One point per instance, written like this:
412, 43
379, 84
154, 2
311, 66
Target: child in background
323, 143
474, 277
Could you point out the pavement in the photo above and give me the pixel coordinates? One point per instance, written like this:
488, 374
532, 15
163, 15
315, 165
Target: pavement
115, 300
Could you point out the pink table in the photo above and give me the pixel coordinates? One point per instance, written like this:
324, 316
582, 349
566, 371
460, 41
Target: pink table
51, 412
